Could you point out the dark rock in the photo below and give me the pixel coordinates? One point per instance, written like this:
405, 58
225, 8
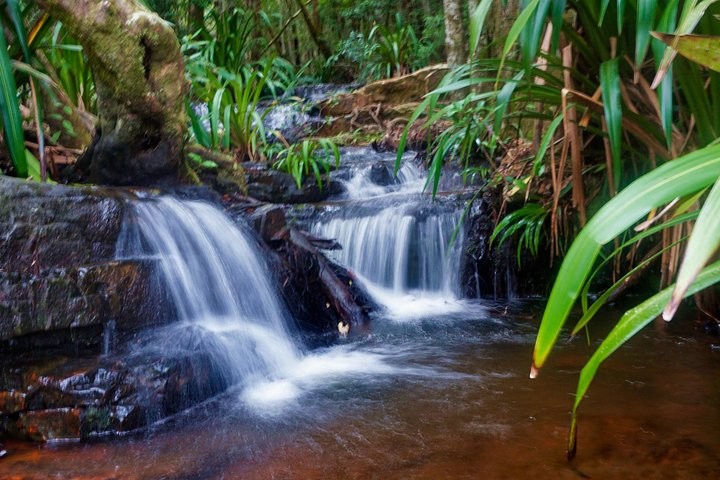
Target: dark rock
124, 292
311, 286
46, 226
269, 185
380, 174
268, 221
72, 398
492, 271
51, 424
58, 276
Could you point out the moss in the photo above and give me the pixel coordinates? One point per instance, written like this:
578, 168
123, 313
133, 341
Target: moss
139, 79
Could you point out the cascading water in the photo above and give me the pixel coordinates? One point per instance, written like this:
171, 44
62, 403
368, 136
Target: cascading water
393, 238
221, 289
227, 305
397, 249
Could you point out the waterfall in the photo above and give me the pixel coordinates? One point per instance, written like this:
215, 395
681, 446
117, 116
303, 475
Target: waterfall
215, 274
397, 250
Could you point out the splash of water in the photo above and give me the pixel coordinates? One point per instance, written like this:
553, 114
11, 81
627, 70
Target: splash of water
220, 286
228, 306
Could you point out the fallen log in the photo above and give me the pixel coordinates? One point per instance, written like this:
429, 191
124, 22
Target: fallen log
337, 292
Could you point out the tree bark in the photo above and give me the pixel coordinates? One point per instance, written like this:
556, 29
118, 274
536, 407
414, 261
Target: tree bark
499, 22
315, 29
139, 79
455, 38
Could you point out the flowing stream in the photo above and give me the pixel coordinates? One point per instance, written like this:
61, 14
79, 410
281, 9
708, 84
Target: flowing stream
439, 388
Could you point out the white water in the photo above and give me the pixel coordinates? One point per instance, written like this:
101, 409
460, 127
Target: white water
228, 306
396, 241
410, 179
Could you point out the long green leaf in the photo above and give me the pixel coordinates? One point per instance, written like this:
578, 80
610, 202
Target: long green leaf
602, 299
645, 19
676, 178
631, 322
12, 119
556, 14
692, 12
530, 35
610, 84
704, 242
514, 33
665, 91
477, 22
545, 143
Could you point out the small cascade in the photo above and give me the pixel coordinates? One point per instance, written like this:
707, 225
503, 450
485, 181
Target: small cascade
226, 304
393, 236
399, 250
377, 180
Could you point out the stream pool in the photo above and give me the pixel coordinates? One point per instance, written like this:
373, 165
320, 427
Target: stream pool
445, 396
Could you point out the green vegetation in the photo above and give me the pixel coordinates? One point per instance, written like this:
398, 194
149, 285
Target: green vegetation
311, 157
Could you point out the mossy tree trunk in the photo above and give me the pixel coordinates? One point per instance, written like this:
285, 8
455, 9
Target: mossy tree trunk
139, 79
455, 38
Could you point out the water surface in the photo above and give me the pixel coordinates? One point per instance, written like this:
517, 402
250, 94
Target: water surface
445, 396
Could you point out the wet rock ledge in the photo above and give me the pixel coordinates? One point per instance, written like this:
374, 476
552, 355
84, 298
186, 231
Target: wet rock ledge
74, 321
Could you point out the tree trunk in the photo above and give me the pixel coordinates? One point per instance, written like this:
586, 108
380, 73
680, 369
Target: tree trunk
455, 38
499, 22
315, 29
139, 79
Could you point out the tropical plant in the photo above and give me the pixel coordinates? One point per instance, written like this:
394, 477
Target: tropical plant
12, 93
395, 47
526, 222
676, 185
235, 118
310, 157
595, 107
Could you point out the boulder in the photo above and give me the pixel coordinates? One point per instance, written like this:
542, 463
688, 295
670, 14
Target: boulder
126, 293
59, 280
269, 185
78, 397
45, 226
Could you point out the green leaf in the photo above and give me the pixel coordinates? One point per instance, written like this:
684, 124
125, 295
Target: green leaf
602, 299
665, 91
644, 22
530, 35
701, 49
704, 242
691, 14
514, 34
198, 131
556, 14
12, 119
547, 138
675, 178
631, 322
477, 22
610, 84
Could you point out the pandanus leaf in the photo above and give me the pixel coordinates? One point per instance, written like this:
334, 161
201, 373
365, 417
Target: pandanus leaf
631, 322
702, 49
704, 242
477, 22
610, 84
645, 18
691, 14
11, 117
676, 178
